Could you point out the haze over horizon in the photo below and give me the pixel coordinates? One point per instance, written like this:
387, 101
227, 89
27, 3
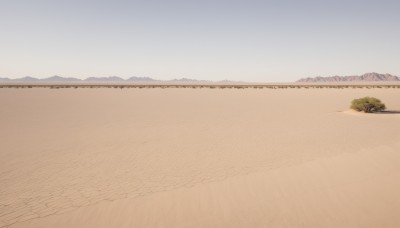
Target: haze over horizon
265, 41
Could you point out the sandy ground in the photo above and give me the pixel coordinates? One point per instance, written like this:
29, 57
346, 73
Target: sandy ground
197, 158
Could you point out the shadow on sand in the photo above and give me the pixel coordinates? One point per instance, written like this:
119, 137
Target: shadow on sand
391, 112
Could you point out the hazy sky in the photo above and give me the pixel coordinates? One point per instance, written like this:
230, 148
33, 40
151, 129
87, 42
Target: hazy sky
238, 40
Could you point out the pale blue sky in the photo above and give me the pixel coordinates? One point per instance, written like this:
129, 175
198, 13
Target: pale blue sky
266, 41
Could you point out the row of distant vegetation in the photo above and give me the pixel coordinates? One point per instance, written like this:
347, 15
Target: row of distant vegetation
207, 86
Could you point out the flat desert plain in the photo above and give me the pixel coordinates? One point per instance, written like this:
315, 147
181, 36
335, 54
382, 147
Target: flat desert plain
107, 157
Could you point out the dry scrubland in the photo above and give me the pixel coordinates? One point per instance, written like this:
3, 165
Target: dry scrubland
198, 158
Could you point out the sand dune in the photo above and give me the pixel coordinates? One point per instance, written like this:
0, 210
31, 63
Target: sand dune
197, 158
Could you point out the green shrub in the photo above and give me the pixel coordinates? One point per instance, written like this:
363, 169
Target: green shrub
368, 105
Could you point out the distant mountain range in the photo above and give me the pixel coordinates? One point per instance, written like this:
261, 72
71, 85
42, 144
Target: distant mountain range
111, 79
368, 77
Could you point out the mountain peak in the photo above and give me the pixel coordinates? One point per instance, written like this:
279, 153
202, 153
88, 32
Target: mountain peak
367, 77
27, 79
57, 78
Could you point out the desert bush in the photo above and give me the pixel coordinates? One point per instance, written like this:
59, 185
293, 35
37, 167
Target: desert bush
368, 105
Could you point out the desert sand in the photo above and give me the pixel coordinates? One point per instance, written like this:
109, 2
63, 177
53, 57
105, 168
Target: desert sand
197, 158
